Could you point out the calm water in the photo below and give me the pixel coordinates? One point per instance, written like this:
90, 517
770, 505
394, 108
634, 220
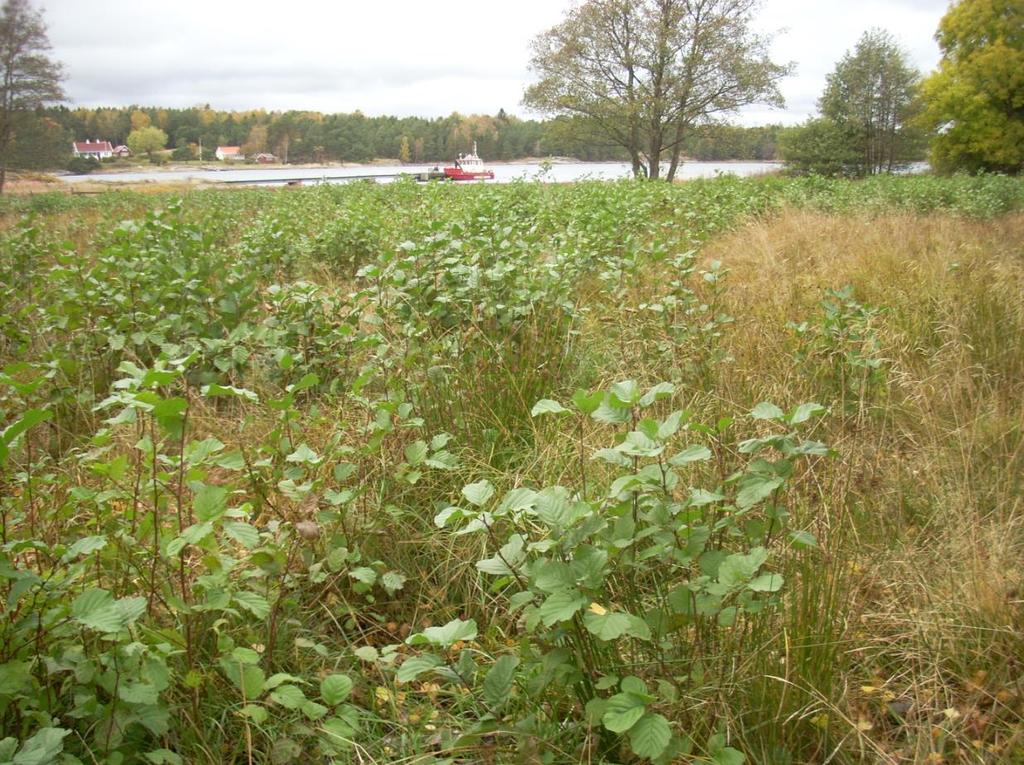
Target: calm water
558, 173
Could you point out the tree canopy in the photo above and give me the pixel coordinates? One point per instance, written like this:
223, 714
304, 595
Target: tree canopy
147, 140
645, 73
303, 136
28, 78
975, 101
867, 111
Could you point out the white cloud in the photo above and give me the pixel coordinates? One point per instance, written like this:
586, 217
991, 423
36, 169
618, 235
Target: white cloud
401, 57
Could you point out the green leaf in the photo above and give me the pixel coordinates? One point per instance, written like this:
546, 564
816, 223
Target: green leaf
587, 403
98, 610
243, 533
555, 508
137, 693
638, 628
307, 381
193, 535
623, 711
728, 756
613, 456
560, 606
452, 632
478, 493
245, 655
210, 502
285, 751
766, 583
636, 686
85, 546
657, 393
288, 696
754, 488
416, 452
14, 675
695, 453
670, 426
258, 714
280, 678
803, 539
547, 406
610, 412
367, 653
392, 581
304, 455
766, 411
739, 569
29, 419
247, 678
650, 736
255, 604
607, 626
313, 711
415, 666
637, 444
626, 393
42, 748
517, 500
334, 689
510, 554
364, 574
215, 391
804, 412
701, 497
442, 518
164, 757
340, 729
499, 681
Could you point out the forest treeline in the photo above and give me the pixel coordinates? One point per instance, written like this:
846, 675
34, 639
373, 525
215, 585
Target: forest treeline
305, 136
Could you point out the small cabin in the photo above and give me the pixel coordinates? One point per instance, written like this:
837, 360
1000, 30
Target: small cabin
229, 153
122, 151
95, 149
264, 158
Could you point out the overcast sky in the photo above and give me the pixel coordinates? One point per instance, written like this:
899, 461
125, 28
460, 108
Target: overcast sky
401, 57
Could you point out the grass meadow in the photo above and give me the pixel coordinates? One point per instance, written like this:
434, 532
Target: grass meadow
723, 472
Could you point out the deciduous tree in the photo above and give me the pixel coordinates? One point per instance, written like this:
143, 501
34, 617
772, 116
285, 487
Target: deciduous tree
870, 98
28, 77
644, 73
146, 141
975, 101
867, 115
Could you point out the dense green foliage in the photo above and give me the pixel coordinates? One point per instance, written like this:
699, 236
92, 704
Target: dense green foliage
975, 101
146, 140
311, 136
367, 473
29, 78
867, 111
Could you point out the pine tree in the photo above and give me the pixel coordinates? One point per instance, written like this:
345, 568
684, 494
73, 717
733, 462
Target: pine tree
28, 78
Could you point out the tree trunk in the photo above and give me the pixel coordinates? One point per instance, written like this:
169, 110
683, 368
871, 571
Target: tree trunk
5, 144
677, 152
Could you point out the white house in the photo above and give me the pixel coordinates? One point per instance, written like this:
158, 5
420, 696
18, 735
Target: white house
94, 149
225, 153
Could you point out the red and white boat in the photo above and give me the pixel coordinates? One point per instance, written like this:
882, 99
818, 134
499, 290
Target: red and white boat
469, 167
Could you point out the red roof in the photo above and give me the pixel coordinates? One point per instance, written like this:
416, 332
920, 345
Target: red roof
229, 149
87, 146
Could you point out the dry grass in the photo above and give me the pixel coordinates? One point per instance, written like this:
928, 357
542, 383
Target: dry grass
927, 488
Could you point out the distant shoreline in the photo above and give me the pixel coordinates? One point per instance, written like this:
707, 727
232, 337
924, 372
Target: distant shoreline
216, 166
